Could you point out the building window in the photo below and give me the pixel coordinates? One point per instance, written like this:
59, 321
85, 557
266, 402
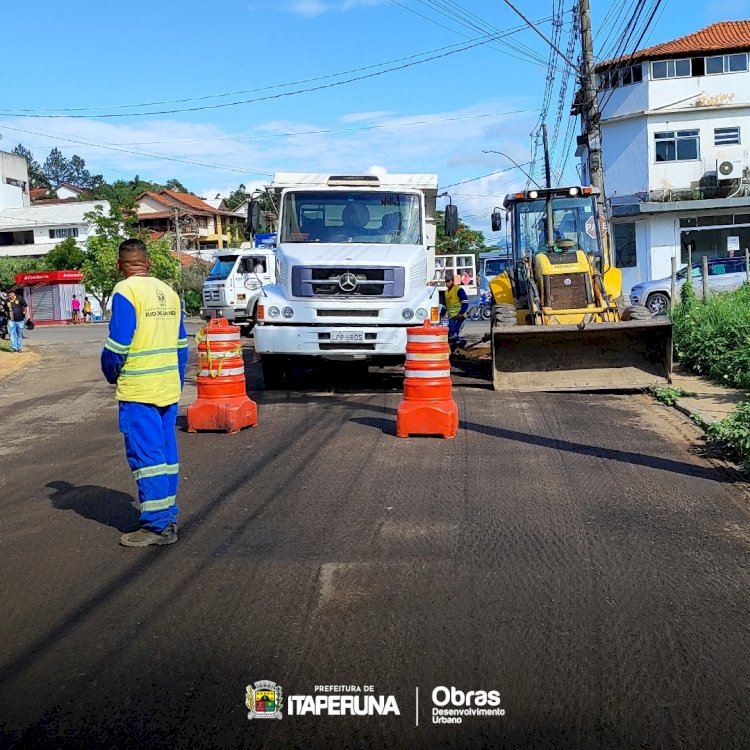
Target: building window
670, 69
726, 64
63, 232
726, 136
612, 79
625, 245
677, 145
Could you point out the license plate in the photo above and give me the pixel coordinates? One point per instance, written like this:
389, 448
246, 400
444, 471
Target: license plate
347, 337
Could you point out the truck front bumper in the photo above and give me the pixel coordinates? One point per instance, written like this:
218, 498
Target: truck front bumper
229, 313
320, 341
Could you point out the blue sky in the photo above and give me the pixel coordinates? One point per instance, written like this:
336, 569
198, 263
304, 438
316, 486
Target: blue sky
90, 58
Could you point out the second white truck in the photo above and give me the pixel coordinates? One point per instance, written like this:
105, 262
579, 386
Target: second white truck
355, 260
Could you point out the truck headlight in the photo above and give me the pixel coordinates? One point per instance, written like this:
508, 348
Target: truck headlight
273, 312
287, 312
407, 313
421, 314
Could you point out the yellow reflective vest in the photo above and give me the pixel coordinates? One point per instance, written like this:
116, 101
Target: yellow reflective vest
151, 371
453, 302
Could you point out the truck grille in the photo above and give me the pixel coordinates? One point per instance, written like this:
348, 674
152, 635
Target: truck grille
567, 291
348, 313
559, 259
211, 295
347, 281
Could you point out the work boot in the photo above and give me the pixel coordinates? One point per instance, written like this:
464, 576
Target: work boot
145, 538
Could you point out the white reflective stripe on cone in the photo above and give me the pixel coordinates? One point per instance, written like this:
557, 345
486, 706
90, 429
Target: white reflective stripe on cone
428, 357
224, 371
427, 373
223, 337
419, 339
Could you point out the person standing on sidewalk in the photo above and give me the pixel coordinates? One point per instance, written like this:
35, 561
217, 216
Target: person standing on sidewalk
146, 357
15, 307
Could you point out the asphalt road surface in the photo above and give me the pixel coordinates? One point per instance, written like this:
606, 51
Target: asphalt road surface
580, 554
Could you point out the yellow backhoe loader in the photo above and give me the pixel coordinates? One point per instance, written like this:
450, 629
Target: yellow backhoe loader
556, 323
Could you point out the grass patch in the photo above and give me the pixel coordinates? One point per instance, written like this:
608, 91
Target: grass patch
668, 395
4, 345
712, 336
734, 432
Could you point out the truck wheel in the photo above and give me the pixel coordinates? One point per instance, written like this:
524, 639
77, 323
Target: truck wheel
637, 312
504, 315
276, 371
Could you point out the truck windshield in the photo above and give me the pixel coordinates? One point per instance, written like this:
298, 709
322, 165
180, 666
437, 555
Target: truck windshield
352, 216
222, 268
574, 221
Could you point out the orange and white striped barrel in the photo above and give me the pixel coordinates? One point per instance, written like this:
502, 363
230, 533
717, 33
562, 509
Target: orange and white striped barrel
428, 407
222, 402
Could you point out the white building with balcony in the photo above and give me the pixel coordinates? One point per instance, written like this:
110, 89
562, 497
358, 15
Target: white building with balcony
675, 124
35, 230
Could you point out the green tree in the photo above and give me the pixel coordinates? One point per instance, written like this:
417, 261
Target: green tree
467, 241
9, 267
66, 255
236, 197
37, 178
175, 185
56, 168
110, 229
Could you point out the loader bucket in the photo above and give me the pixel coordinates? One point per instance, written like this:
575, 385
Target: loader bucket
602, 356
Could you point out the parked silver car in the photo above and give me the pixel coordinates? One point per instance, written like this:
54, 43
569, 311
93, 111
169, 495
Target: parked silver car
724, 274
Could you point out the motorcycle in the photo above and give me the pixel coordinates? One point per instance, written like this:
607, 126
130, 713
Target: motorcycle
481, 309
3, 327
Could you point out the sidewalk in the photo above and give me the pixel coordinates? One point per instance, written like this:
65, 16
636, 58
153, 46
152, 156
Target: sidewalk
710, 403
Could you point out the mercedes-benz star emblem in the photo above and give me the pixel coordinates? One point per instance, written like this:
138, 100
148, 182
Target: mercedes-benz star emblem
348, 282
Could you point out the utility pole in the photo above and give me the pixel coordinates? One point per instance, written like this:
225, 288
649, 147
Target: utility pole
590, 109
178, 248
548, 183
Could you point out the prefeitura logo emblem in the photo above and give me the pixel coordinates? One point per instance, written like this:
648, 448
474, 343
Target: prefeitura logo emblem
264, 699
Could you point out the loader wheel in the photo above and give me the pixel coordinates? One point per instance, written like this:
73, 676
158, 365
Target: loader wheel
637, 312
504, 315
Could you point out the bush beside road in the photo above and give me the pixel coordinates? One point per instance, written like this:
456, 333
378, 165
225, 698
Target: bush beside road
712, 339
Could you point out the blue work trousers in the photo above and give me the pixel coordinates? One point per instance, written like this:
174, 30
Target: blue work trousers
151, 448
454, 328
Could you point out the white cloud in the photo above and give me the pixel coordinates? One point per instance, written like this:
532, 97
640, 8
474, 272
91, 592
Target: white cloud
443, 142
364, 116
308, 8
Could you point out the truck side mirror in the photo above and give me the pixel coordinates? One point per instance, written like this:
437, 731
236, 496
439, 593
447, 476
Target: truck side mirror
253, 218
451, 220
497, 221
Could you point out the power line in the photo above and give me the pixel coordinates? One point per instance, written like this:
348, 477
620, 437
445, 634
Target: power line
255, 90
481, 177
239, 136
448, 53
224, 167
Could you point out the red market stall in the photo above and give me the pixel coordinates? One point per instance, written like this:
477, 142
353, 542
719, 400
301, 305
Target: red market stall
49, 294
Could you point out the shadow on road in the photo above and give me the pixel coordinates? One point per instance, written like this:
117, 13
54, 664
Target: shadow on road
100, 504
388, 426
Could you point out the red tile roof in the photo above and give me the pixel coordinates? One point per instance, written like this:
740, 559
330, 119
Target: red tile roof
188, 199
724, 36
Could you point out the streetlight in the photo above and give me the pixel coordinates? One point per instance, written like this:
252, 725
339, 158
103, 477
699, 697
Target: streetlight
490, 151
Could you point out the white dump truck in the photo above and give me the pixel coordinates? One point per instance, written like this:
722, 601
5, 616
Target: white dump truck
232, 288
355, 260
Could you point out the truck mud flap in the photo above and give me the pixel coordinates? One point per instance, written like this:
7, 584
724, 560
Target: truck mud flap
601, 356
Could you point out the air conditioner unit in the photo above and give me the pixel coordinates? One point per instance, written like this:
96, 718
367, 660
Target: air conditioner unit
729, 166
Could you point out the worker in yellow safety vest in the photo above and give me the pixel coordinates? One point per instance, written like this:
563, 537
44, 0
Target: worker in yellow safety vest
456, 303
146, 356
